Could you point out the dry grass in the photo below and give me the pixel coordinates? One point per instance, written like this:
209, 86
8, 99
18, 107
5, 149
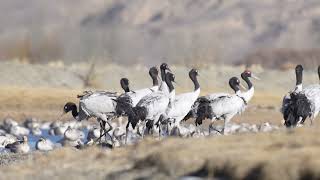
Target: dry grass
43, 103
286, 155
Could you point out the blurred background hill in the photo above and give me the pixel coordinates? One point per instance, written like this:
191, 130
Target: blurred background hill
273, 33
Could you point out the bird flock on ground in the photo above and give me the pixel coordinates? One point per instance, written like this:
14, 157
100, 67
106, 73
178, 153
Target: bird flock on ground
157, 111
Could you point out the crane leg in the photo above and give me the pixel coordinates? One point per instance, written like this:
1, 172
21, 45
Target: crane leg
311, 121
159, 131
101, 131
211, 127
127, 130
144, 127
226, 121
106, 132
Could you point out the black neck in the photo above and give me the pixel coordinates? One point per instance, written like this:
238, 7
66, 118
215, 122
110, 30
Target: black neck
74, 111
196, 83
169, 84
155, 81
125, 86
299, 76
163, 74
126, 89
235, 88
319, 72
247, 80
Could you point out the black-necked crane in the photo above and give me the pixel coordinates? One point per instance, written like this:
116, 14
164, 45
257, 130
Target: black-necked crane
131, 98
150, 107
182, 103
227, 106
302, 104
163, 86
99, 104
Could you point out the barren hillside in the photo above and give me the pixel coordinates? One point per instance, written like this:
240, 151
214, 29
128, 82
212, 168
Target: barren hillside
126, 31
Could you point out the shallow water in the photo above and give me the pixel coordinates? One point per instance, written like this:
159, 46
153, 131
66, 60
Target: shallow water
55, 139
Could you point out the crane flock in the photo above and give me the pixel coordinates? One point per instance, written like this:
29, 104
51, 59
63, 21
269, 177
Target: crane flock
159, 105
158, 111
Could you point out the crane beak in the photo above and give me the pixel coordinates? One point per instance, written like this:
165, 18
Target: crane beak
169, 69
255, 77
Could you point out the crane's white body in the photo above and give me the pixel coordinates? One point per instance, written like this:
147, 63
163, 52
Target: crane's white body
98, 104
226, 107
215, 95
155, 103
312, 92
181, 105
164, 87
137, 95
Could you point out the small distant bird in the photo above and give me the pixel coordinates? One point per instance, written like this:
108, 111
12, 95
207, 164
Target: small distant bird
31, 123
57, 128
19, 131
73, 134
8, 123
7, 139
93, 134
44, 145
20, 146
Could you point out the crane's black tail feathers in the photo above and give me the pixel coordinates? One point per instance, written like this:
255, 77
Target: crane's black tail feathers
189, 115
298, 106
124, 105
136, 114
204, 111
193, 113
